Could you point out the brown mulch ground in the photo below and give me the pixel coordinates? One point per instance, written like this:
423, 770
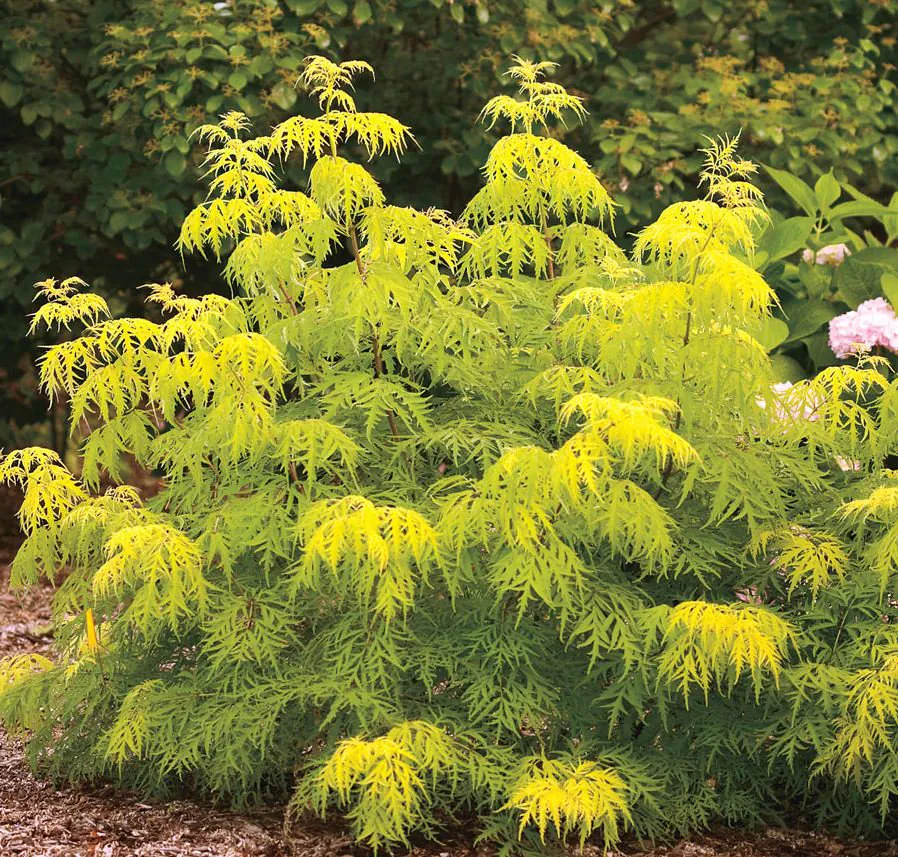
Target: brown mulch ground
38, 819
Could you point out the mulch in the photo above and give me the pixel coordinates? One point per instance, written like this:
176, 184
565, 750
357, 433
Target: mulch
40, 819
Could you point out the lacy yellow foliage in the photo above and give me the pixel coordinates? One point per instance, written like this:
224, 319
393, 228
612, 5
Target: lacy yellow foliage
572, 798
382, 549
162, 566
707, 643
16, 668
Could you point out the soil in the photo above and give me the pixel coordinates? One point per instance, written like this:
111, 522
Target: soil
39, 819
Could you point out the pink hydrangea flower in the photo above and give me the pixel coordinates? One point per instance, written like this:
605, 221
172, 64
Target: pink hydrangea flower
872, 324
831, 254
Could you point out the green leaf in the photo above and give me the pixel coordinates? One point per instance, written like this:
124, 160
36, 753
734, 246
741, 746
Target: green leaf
827, 190
118, 221
458, 13
773, 332
215, 52
29, 113
819, 351
362, 12
786, 237
713, 10
856, 194
175, 163
10, 93
859, 277
338, 7
857, 208
284, 96
238, 80
786, 368
805, 317
817, 279
797, 190
260, 65
631, 164
22, 60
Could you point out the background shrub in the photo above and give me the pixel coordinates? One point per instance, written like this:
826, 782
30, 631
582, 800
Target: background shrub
97, 98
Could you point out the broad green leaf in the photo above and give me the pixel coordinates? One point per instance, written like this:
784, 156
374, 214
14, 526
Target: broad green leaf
857, 208
856, 194
805, 317
284, 96
10, 93
859, 277
118, 221
827, 190
260, 65
773, 332
797, 190
889, 283
175, 163
819, 351
890, 221
362, 12
786, 237
29, 113
22, 60
631, 164
786, 368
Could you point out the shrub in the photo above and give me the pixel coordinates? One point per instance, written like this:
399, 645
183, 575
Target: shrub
485, 519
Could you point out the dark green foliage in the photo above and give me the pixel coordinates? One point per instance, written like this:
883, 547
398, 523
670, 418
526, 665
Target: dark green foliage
97, 98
